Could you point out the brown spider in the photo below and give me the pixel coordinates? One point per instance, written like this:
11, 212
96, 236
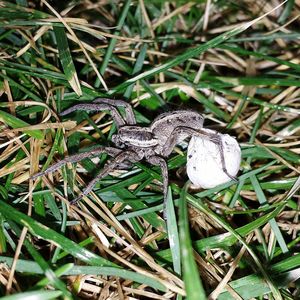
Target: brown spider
135, 143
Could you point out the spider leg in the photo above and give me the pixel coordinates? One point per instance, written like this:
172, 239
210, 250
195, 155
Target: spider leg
97, 107
159, 161
78, 157
121, 157
174, 138
129, 118
215, 138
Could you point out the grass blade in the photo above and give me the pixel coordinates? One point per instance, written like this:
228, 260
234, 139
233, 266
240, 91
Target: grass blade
15, 122
192, 281
49, 234
173, 234
66, 59
191, 53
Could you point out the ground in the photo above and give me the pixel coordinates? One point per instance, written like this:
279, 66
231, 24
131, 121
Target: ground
236, 62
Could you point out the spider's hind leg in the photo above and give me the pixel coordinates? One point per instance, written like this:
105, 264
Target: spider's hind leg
78, 157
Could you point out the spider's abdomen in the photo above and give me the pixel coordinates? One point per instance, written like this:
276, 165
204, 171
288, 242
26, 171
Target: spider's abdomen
164, 124
136, 136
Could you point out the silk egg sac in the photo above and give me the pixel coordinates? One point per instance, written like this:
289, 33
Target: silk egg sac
204, 167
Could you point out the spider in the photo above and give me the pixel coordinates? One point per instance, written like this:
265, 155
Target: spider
135, 143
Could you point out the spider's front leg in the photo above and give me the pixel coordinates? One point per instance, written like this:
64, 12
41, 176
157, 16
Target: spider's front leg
119, 121
129, 117
159, 161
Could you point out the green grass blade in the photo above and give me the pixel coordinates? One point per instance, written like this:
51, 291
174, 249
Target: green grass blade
261, 268
53, 279
188, 54
113, 41
173, 234
45, 295
49, 234
15, 122
75, 270
263, 201
66, 59
192, 281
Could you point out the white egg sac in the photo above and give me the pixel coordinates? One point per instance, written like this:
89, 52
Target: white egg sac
204, 167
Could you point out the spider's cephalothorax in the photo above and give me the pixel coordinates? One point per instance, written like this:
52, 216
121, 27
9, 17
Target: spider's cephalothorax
134, 143
161, 136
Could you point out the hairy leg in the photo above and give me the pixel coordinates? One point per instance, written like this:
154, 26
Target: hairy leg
129, 118
97, 107
109, 167
159, 161
174, 138
78, 157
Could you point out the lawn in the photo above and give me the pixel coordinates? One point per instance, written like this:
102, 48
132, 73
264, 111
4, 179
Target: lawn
235, 62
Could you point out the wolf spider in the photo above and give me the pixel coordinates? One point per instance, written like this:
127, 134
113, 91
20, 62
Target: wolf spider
135, 143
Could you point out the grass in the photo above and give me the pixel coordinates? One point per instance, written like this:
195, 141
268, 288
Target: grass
235, 62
